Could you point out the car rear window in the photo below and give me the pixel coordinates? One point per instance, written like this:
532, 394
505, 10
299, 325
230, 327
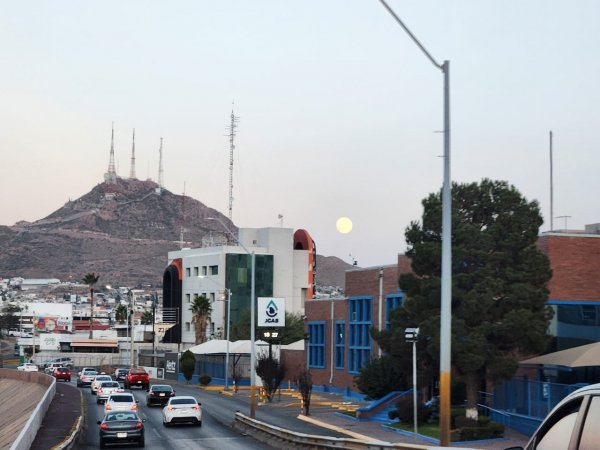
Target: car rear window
90, 372
160, 388
62, 369
103, 378
120, 416
183, 401
106, 384
121, 398
137, 371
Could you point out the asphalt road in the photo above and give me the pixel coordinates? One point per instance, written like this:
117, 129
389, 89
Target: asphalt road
213, 434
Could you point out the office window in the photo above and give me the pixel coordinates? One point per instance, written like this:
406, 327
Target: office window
188, 298
214, 270
196, 272
316, 344
212, 297
188, 272
204, 270
340, 343
392, 302
359, 342
187, 326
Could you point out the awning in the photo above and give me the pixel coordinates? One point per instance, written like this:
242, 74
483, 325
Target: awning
95, 343
582, 356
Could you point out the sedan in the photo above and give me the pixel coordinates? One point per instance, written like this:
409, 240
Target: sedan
96, 382
121, 401
86, 376
121, 427
182, 409
62, 373
159, 394
28, 367
106, 388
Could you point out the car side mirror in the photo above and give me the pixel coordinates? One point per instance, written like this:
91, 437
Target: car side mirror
137, 401
199, 404
143, 420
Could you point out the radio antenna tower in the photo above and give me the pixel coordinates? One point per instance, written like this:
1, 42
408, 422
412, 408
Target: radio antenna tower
160, 165
182, 218
111, 175
132, 172
231, 128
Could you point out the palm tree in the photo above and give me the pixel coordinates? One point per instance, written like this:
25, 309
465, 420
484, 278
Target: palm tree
91, 279
201, 310
147, 318
121, 314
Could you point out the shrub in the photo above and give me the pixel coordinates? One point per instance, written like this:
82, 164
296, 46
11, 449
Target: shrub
470, 430
404, 411
204, 379
187, 364
378, 377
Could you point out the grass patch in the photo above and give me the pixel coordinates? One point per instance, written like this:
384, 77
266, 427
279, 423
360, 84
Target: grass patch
349, 413
427, 429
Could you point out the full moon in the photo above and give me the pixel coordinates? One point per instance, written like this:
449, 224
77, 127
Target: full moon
344, 225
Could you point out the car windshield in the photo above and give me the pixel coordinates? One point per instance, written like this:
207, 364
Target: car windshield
183, 401
121, 399
120, 416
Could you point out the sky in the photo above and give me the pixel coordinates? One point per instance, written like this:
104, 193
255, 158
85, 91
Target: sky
339, 111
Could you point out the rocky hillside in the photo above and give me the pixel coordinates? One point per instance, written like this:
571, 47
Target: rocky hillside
123, 232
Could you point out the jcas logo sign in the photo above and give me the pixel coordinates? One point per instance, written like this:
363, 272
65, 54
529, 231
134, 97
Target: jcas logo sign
271, 312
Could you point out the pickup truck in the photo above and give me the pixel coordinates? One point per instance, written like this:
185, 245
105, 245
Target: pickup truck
137, 377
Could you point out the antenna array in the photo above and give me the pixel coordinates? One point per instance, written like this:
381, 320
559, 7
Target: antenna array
231, 129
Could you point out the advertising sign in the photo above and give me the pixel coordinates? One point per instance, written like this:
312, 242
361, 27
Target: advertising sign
49, 341
271, 312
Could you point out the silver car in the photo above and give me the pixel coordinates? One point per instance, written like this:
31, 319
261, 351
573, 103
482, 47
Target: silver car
105, 389
97, 380
120, 401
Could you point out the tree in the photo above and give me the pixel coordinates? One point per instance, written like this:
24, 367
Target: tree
378, 377
91, 279
271, 372
305, 384
201, 311
293, 331
499, 280
8, 319
121, 313
187, 364
147, 318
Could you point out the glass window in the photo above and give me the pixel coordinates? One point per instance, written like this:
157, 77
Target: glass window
196, 273
392, 302
187, 272
188, 298
316, 344
359, 341
340, 344
557, 430
204, 270
212, 297
590, 436
214, 270
187, 326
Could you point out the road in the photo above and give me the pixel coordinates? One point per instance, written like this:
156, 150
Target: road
212, 435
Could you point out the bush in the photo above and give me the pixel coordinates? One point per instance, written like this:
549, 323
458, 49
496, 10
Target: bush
404, 411
187, 364
470, 430
204, 379
378, 377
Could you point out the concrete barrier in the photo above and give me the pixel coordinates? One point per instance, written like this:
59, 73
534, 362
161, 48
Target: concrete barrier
29, 431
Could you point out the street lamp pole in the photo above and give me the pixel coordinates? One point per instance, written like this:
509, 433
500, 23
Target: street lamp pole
446, 282
252, 318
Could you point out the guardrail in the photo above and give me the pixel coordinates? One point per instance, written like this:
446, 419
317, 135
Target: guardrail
273, 435
29, 431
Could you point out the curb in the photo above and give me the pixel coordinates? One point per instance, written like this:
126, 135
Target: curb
328, 426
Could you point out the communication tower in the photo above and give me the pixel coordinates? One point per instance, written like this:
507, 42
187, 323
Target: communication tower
111, 175
132, 172
160, 165
231, 129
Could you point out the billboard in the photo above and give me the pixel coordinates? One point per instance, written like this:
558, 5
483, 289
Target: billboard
271, 312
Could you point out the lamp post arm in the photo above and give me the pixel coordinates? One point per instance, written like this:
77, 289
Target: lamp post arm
412, 36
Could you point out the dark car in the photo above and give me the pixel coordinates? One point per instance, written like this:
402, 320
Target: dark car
121, 427
572, 424
62, 373
159, 394
120, 374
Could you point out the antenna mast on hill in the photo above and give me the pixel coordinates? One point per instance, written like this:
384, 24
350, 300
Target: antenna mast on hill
111, 175
132, 172
160, 165
231, 128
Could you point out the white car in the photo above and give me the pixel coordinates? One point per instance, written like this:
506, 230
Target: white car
97, 380
105, 389
120, 401
27, 367
86, 376
182, 409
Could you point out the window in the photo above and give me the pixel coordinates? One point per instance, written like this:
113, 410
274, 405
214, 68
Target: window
556, 431
214, 270
340, 343
316, 344
187, 326
187, 272
187, 298
392, 302
204, 272
196, 273
590, 435
359, 342
212, 297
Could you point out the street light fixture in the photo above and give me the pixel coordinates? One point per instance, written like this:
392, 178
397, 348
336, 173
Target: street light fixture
412, 335
446, 282
252, 318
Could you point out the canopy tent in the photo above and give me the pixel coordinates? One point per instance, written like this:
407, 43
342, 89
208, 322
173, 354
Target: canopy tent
211, 347
582, 356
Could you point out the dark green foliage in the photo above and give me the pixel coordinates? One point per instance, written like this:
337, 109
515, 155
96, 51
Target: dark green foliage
204, 379
305, 384
271, 372
201, 310
379, 377
470, 430
404, 411
147, 318
187, 364
498, 286
121, 313
8, 319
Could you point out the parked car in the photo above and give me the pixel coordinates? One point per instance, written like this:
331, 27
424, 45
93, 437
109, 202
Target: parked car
86, 376
182, 409
97, 380
121, 427
159, 394
106, 388
120, 401
137, 377
62, 373
120, 374
27, 367
572, 424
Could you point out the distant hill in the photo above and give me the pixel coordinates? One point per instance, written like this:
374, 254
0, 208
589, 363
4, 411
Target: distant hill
122, 232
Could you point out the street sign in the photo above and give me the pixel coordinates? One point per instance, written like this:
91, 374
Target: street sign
271, 312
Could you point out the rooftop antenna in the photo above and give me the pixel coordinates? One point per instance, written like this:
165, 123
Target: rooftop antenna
132, 172
111, 175
551, 188
231, 128
354, 261
566, 218
280, 217
160, 165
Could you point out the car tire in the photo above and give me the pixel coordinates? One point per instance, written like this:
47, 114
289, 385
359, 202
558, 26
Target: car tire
166, 424
102, 443
98, 401
199, 423
142, 443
